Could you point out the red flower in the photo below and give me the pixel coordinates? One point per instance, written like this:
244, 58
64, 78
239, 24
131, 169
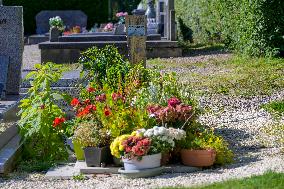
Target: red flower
173, 102
58, 120
75, 102
91, 89
42, 106
101, 98
107, 112
92, 107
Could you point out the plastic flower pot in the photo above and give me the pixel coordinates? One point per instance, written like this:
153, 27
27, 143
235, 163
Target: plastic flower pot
79, 152
147, 162
198, 158
54, 33
95, 157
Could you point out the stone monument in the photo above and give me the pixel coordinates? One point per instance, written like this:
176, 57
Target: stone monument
71, 18
11, 48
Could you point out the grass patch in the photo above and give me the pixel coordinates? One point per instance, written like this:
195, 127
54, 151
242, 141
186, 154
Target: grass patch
275, 107
241, 76
268, 180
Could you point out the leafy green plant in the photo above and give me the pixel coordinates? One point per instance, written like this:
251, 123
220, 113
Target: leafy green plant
104, 65
41, 133
79, 177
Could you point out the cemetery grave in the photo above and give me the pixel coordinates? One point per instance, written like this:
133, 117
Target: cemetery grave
117, 119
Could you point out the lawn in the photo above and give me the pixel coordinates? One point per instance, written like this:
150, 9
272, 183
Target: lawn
269, 180
235, 75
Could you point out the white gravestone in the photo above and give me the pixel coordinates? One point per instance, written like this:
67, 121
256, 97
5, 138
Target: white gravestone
12, 45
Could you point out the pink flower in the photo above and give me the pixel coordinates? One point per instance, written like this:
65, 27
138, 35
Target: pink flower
173, 102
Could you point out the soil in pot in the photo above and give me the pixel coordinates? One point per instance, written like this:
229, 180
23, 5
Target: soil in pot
95, 157
198, 158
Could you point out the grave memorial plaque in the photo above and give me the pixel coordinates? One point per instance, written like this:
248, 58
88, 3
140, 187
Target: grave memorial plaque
136, 27
11, 47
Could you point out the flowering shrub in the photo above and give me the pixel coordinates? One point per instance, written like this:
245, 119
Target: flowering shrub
175, 114
121, 17
56, 22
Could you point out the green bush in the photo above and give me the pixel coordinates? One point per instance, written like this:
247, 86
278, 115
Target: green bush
249, 27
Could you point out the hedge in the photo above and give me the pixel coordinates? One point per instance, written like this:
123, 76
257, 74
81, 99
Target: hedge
96, 10
250, 27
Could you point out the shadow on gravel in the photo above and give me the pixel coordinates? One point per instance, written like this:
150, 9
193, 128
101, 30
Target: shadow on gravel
193, 53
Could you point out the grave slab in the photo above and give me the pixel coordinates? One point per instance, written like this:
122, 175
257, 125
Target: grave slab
70, 18
12, 44
4, 62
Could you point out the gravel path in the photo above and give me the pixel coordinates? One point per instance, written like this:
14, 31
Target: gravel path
239, 120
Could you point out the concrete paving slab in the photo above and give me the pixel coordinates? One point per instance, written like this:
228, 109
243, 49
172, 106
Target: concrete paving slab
66, 171
81, 165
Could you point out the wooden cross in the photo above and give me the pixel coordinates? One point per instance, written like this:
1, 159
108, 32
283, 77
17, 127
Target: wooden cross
136, 30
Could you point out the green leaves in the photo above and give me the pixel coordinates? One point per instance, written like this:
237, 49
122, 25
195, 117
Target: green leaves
38, 111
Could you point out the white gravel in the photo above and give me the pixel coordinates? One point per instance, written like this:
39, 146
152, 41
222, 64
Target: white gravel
239, 120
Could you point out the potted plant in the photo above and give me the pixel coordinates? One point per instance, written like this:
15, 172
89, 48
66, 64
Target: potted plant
56, 28
120, 28
143, 148
201, 148
94, 140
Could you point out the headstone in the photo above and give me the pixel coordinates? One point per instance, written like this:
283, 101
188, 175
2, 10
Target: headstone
12, 45
4, 62
70, 18
136, 28
171, 23
150, 12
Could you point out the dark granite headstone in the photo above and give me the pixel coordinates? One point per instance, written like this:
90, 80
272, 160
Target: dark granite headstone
4, 62
12, 45
70, 18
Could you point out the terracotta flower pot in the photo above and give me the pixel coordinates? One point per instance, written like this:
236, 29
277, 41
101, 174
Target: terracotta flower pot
198, 158
166, 156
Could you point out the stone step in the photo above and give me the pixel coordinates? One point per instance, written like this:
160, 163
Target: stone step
7, 132
9, 154
9, 108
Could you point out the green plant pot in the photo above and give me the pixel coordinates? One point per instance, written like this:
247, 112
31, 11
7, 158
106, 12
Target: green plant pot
79, 152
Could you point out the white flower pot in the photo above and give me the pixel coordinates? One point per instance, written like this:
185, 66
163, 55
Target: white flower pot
147, 162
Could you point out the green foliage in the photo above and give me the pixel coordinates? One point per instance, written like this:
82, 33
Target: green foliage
275, 107
104, 65
79, 177
268, 180
96, 10
249, 27
34, 165
38, 111
185, 32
